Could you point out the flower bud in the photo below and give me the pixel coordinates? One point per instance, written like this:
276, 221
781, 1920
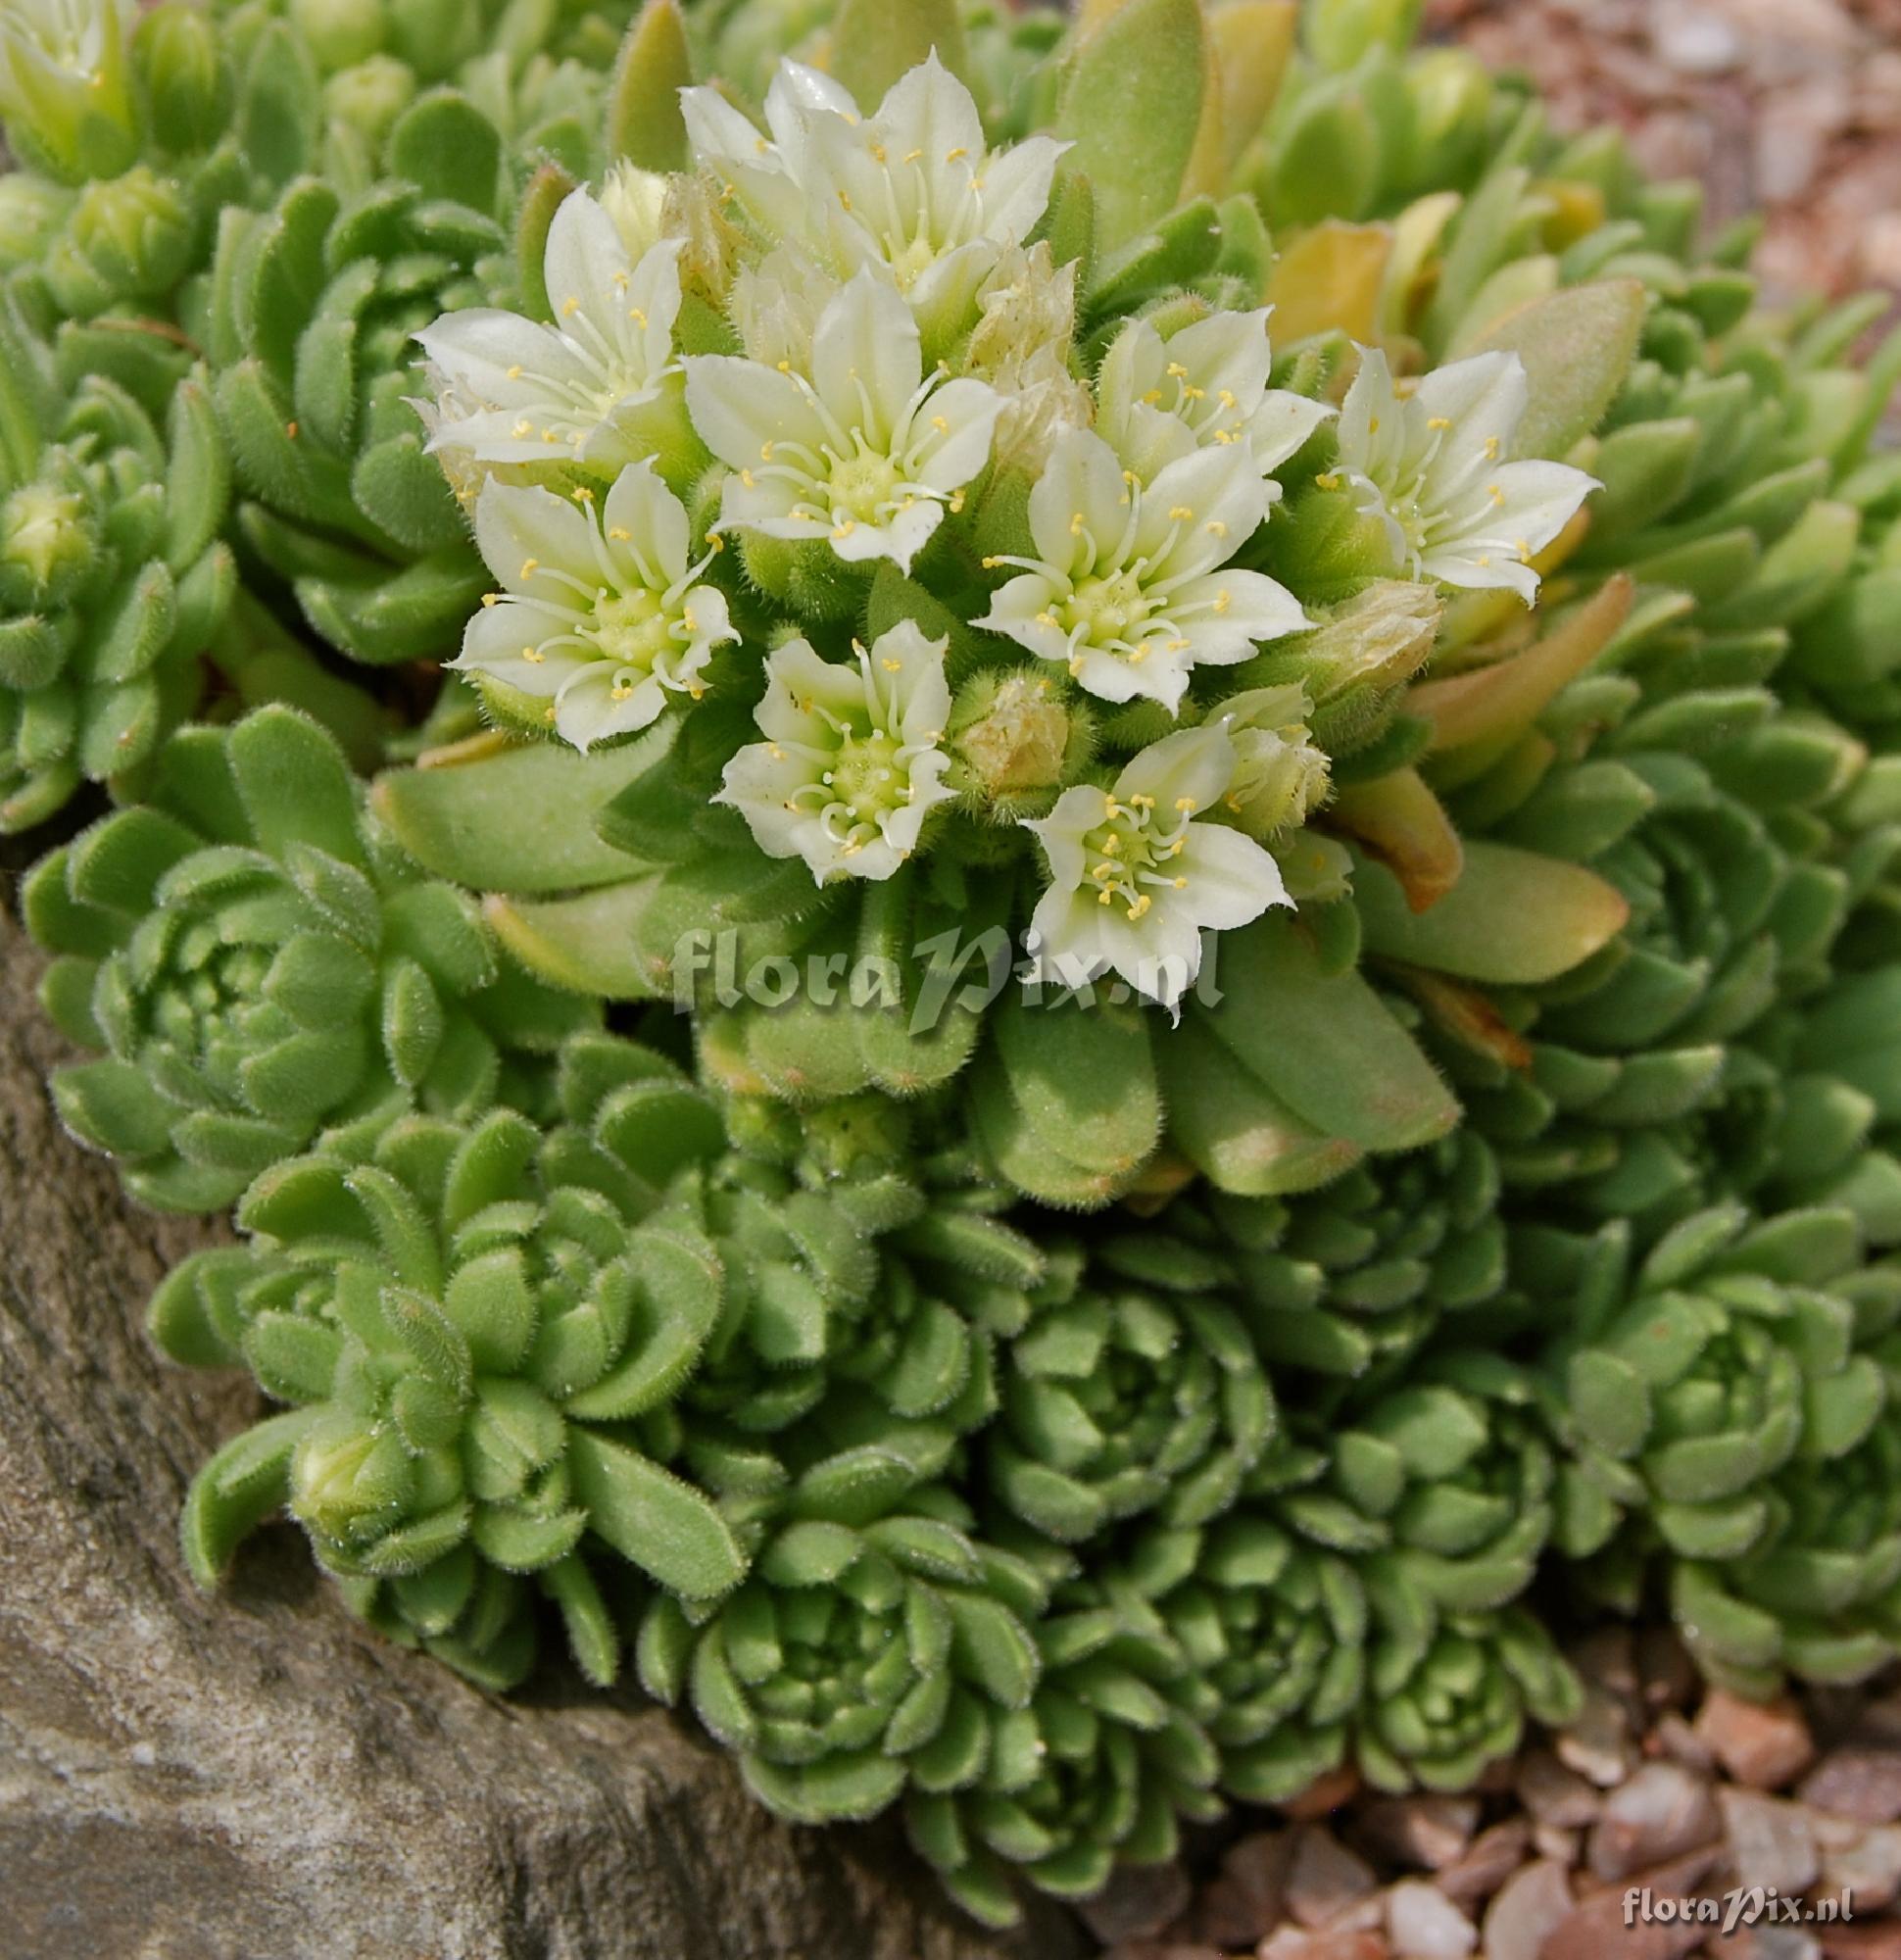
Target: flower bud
340, 33
45, 535
1279, 776
64, 93
1020, 345
1353, 664
31, 211
636, 201
187, 82
344, 1480
1014, 738
370, 95
126, 239
856, 1133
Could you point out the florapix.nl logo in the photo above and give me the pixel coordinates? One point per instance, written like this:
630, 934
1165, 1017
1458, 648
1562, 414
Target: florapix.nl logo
951, 971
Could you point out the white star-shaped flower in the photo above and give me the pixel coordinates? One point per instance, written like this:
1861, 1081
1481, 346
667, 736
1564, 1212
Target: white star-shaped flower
866, 450
602, 617
1435, 467
597, 387
1159, 399
1128, 590
1137, 873
913, 188
850, 767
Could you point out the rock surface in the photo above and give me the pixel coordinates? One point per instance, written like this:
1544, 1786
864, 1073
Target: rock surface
255, 1777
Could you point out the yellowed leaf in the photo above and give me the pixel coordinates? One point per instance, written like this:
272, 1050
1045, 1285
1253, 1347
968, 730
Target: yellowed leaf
1329, 280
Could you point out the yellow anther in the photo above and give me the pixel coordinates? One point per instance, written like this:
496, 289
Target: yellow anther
582, 494
1047, 620
571, 306
1328, 480
1492, 446
955, 505
845, 201
766, 452
955, 156
1181, 514
529, 566
1076, 668
1187, 806
1223, 600
620, 534
491, 598
533, 656
1076, 524
844, 528
785, 366
1373, 424
877, 153
892, 666
1180, 884
1495, 492
1438, 422
524, 427
1176, 371
1224, 437
911, 156
1227, 398
514, 373
939, 424
1215, 528
619, 690
991, 563
1153, 398
1190, 393
637, 315
746, 477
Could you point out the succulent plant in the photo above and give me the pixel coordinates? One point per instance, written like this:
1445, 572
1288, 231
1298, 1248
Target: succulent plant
257, 963
1118, 1400
1437, 1710
1728, 1359
317, 301
1097, 1770
113, 579
870, 1648
481, 1355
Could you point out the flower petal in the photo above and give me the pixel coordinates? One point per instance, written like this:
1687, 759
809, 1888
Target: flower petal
527, 535
1188, 771
866, 360
646, 529
1231, 879
739, 406
947, 457
1079, 508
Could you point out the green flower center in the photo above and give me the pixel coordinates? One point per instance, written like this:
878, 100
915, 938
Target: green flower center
633, 630
1107, 610
863, 487
869, 777
1134, 846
